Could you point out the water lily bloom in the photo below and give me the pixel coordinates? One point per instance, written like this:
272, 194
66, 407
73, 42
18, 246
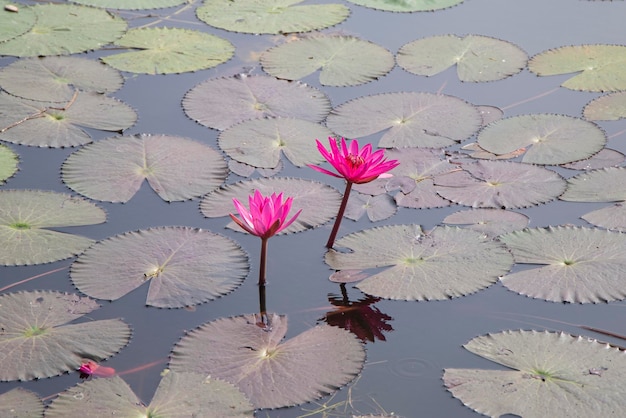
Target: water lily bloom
355, 165
90, 367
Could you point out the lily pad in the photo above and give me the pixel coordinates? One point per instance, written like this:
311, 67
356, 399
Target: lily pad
407, 5
319, 202
114, 169
547, 139
38, 340
492, 222
445, 263
611, 217
270, 372
20, 403
54, 125
63, 29
501, 185
603, 159
343, 60
223, 102
246, 170
8, 163
169, 50
554, 374
131, 4
270, 16
603, 185
609, 107
598, 67
55, 79
477, 58
178, 395
377, 207
260, 142
409, 119
24, 217
185, 266
13, 24
578, 265
478, 153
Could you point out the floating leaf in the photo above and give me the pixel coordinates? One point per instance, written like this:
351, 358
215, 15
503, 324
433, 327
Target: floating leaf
611, 217
131, 4
246, 170
185, 266
178, 395
500, 184
12, 24
478, 58
492, 222
603, 185
554, 374
319, 202
271, 373
260, 142
114, 169
8, 163
609, 107
598, 67
20, 403
603, 159
579, 265
270, 16
37, 340
407, 5
63, 29
54, 79
547, 139
411, 119
479, 153
442, 264
343, 60
377, 207
169, 50
24, 215
50, 124
221, 103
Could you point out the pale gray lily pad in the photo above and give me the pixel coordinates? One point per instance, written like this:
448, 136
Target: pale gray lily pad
260, 142
377, 207
131, 4
184, 266
179, 395
547, 139
39, 341
445, 263
492, 222
20, 403
272, 373
8, 163
605, 158
55, 79
490, 113
500, 184
577, 265
609, 107
270, 16
246, 170
24, 217
409, 119
476, 152
13, 24
597, 67
343, 60
602, 185
611, 217
477, 58
63, 29
56, 125
223, 102
407, 5
319, 202
114, 169
553, 375
169, 50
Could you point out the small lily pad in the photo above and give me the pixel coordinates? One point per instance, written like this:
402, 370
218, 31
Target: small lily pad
492, 222
20, 403
604, 159
8, 163
377, 207
407, 5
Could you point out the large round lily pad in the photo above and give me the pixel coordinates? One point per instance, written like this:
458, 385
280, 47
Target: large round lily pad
272, 373
37, 339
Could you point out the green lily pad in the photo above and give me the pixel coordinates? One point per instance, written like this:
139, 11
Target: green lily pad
597, 67
38, 340
13, 24
492, 222
184, 266
409, 119
20, 403
270, 16
554, 374
270, 372
169, 50
178, 395
113, 169
443, 264
223, 102
131, 4
8, 163
319, 202
577, 265
55, 79
407, 5
548, 139
260, 142
609, 107
477, 58
24, 217
55, 125
63, 29
343, 60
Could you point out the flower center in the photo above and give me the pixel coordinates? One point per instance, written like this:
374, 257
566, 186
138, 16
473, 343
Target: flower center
354, 160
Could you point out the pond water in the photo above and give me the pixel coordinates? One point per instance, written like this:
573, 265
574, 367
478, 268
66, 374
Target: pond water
403, 374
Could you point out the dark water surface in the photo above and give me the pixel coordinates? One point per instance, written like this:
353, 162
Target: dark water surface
403, 373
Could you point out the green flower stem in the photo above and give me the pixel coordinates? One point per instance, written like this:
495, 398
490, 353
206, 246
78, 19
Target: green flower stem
342, 209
